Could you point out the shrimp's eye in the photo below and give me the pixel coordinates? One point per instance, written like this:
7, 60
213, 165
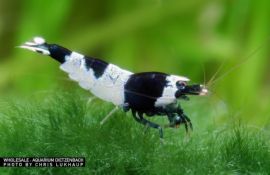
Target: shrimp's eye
181, 84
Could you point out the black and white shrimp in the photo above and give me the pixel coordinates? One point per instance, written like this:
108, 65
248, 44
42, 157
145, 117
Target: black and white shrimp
149, 93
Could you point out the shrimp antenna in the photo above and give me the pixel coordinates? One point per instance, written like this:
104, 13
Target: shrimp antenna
204, 74
216, 73
248, 57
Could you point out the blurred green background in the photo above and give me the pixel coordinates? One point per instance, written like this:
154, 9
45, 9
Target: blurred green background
221, 43
191, 38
